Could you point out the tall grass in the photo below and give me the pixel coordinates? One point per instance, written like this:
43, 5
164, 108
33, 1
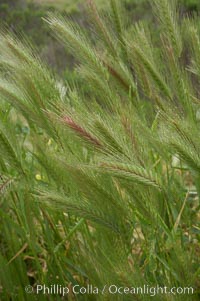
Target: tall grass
101, 185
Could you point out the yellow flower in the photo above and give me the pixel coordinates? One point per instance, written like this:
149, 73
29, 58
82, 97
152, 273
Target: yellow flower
38, 177
49, 142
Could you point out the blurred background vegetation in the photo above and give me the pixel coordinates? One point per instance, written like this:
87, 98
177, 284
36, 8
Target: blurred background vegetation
25, 16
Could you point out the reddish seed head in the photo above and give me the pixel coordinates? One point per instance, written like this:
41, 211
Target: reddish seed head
81, 131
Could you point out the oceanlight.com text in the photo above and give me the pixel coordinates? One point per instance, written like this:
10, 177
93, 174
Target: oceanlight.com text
56, 289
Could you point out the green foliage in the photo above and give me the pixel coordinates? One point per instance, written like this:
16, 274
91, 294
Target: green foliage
99, 175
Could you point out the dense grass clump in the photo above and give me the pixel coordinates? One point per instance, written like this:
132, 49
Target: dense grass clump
100, 181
